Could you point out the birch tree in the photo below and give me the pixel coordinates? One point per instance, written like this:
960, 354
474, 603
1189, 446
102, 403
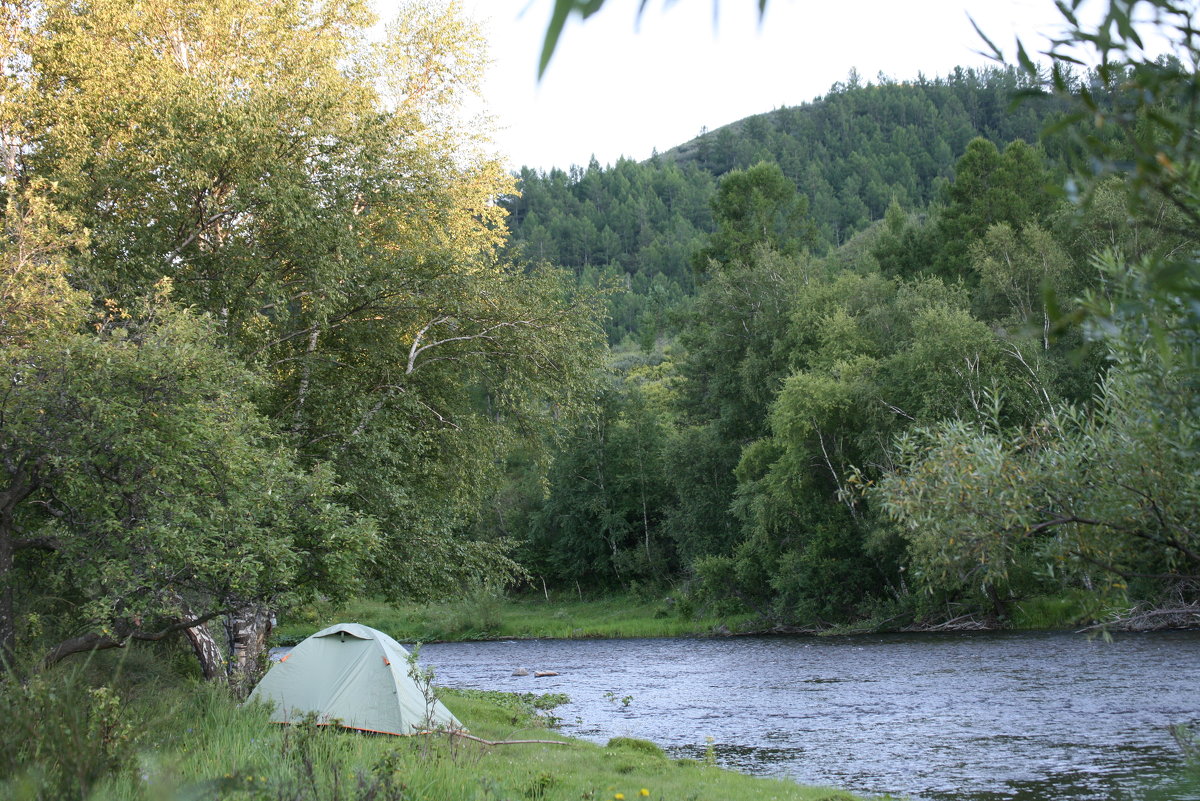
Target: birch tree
325, 202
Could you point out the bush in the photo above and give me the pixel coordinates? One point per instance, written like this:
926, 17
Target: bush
60, 736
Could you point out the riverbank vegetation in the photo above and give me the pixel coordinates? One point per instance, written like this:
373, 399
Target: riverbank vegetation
259, 342
485, 614
957, 390
153, 735
490, 615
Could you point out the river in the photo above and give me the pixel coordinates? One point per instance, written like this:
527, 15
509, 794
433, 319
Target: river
978, 717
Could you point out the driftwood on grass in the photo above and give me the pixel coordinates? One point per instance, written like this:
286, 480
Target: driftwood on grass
466, 736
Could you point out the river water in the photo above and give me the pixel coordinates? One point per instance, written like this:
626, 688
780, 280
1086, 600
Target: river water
977, 717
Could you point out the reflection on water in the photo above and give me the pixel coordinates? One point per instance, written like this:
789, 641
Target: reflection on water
1015, 716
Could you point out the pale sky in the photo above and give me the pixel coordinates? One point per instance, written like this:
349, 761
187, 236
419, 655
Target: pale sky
620, 86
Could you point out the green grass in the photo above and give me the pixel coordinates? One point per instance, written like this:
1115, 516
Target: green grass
187, 741
484, 615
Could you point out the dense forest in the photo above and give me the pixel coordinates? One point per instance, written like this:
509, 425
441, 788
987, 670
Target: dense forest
275, 328
886, 358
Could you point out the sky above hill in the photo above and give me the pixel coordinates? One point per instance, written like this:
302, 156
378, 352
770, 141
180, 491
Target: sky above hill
624, 85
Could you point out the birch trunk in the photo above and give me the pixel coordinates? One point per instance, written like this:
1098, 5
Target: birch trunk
247, 631
208, 652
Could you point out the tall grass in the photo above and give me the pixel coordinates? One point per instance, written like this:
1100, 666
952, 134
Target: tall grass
114, 732
60, 735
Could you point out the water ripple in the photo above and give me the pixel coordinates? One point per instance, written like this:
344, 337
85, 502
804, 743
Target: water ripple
979, 717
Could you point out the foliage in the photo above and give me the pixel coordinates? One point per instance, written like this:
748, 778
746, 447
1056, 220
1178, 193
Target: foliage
635, 225
736, 357
871, 357
563, 615
36, 299
851, 154
792, 372
62, 736
355, 360
756, 208
600, 520
1102, 498
145, 488
1099, 497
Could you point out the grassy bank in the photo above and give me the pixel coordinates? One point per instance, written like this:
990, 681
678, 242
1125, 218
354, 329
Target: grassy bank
159, 738
485, 615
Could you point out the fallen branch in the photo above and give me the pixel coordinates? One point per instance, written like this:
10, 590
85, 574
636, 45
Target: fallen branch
967, 622
1180, 617
466, 736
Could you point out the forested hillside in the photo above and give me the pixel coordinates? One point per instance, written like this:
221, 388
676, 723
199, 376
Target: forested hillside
874, 363
851, 154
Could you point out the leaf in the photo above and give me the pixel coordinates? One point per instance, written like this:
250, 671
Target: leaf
995, 55
558, 20
1025, 61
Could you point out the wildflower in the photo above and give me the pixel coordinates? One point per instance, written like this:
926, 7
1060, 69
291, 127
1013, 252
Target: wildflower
619, 796
643, 792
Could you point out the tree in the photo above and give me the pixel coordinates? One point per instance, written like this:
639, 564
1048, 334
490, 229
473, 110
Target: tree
143, 494
870, 357
36, 299
1103, 496
756, 208
1101, 499
318, 198
1016, 273
736, 357
990, 188
600, 522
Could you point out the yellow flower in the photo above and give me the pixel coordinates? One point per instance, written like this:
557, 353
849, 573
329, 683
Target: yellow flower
643, 791
619, 796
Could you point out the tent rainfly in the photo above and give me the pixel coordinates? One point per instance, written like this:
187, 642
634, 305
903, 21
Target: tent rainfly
352, 676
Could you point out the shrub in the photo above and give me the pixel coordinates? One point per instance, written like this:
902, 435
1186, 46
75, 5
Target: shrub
61, 736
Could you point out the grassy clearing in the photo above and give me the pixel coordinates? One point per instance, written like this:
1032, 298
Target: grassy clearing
485, 615
168, 739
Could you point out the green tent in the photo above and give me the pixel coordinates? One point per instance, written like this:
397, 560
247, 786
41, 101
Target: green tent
352, 676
